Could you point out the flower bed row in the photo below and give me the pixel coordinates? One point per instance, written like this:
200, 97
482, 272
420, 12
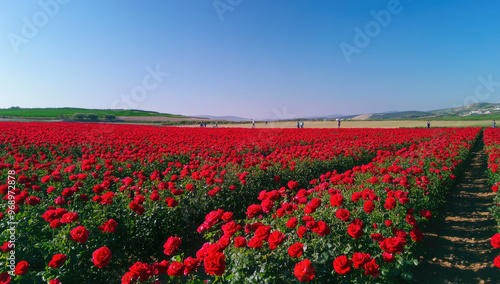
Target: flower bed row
492, 146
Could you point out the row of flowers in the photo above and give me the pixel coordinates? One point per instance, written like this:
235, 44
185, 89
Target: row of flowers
492, 144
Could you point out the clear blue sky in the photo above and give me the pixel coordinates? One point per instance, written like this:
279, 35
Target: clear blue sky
250, 58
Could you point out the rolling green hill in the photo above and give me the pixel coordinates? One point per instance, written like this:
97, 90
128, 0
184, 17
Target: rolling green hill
401, 115
477, 111
59, 112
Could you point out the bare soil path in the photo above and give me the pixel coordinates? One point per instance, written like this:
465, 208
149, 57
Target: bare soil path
457, 244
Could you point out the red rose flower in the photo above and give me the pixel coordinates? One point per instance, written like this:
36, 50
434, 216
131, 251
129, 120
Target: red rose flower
411, 220
342, 214
108, 226
79, 234
275, 239
136, 207
378, 237
5, 278
175, 269
304, 271
224, 242
161, 267
22, 268
189, 187
101, 257
227, 216
368, 207
321, 229
495, 240
255, 242
69, 217
8, 246
496, 261
171, 245
215, 264
57, 260
301, 231
426, 214
355, 231
263, 232
240, 242
32, 200
60, 201
230, 228
359, 259
171, 202
342, 265
267, 204
293, 185
392, 245
371, 268
336, 200
127, 278
253, 210
390, 203
296, 250
141, 271
388, 257
191, 264
292, 223
416, 235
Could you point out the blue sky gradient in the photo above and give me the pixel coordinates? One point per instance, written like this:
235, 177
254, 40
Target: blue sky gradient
256, 59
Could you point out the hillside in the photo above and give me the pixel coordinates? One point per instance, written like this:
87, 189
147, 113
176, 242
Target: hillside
67, 112
477, 111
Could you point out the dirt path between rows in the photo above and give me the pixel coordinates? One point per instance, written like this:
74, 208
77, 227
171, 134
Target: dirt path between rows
457, 244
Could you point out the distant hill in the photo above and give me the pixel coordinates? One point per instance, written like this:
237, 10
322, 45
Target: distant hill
227, 117
477, 111
62, 112
401, 115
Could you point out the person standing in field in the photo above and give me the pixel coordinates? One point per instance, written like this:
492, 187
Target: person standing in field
428, 124
494, 123
253, 123
302, 124
298, 125
338, 123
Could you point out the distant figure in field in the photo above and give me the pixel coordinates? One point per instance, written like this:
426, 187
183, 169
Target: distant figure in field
302, 124
338, 123
201, 124
494, 123
298, 125
253, 123
266, 122
428, 124
217, 124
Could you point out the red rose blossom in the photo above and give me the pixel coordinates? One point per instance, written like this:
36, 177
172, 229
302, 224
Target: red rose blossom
171, 245
215, 264
342, 265
304, 271
101, 257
